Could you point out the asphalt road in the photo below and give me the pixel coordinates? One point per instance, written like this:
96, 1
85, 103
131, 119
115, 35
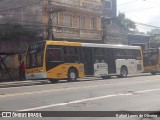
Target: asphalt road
130, 94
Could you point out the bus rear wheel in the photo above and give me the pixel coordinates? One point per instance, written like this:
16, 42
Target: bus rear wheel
124, 72
72, 75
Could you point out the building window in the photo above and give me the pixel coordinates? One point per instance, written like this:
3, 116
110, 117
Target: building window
108, 4
93, 23
67, 21
55, 19
81, 21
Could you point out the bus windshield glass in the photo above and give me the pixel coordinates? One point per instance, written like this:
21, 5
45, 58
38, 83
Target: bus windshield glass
35, 55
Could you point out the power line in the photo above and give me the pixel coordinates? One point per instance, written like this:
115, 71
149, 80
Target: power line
127, 3
32, 4
12, 2
29, 27
152, 2
26, 22
4, 1
20, 14
147, 25
140, 9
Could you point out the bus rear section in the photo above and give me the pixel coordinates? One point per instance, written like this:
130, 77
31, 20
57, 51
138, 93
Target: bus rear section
151, 59
60, 60
129, 61
104, 60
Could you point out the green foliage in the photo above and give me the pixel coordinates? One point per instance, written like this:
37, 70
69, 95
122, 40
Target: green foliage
16, 32
125, 22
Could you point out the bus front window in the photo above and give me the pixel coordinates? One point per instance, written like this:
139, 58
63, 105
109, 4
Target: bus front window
35, 56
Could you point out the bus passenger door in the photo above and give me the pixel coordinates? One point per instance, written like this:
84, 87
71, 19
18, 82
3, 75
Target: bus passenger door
111, 61
87, 57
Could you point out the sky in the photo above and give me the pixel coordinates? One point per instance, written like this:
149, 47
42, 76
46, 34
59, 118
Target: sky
141, 11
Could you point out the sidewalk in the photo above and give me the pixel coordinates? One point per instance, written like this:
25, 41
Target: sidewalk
23, 83
5, 84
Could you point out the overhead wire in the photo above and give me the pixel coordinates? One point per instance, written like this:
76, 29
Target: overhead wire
152, 2
147, 25
142, 9
32, 4
127, 3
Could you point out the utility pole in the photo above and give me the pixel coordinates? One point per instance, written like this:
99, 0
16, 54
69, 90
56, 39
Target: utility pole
50, 26
104, 23
51, 14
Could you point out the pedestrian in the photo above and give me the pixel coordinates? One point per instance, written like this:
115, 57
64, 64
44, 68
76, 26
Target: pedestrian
22, 69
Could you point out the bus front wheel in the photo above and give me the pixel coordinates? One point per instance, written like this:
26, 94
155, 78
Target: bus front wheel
124, 72
72, 75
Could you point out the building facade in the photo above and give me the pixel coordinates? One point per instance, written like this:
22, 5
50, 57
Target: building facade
73, 20
115, 34
76, 20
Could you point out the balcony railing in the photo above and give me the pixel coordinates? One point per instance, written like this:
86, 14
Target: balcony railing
79, 5
75, 33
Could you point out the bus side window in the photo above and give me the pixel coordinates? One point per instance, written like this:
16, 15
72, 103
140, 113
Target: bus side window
120, 54
53, 55
137, 54
71, 55
99, 55
96, 61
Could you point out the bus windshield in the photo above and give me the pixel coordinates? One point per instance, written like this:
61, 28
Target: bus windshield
35, 55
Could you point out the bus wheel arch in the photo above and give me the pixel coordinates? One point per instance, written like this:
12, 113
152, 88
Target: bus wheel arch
123, 71
72, 74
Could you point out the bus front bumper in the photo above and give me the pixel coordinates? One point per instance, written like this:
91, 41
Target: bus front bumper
32, 76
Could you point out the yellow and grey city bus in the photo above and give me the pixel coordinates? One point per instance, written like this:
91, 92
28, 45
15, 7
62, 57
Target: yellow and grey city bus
56, 60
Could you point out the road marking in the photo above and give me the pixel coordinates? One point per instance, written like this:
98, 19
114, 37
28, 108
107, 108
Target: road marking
72, 88
88, 99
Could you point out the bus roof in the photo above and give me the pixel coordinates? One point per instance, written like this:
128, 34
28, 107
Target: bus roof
66, 43
119, 46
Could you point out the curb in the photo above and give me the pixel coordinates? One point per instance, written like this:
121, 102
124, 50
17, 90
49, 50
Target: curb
23, 83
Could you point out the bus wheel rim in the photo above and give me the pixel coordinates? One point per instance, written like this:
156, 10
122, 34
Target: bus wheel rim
72, 75
124, 72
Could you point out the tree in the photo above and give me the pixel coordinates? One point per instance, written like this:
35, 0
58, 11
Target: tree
16, 32
125, 23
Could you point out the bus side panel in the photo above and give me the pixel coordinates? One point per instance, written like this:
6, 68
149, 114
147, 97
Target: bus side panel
133, 66
61, 71
120, 63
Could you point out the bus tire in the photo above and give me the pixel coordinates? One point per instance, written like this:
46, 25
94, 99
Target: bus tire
53, 81
124, 72
72, 75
